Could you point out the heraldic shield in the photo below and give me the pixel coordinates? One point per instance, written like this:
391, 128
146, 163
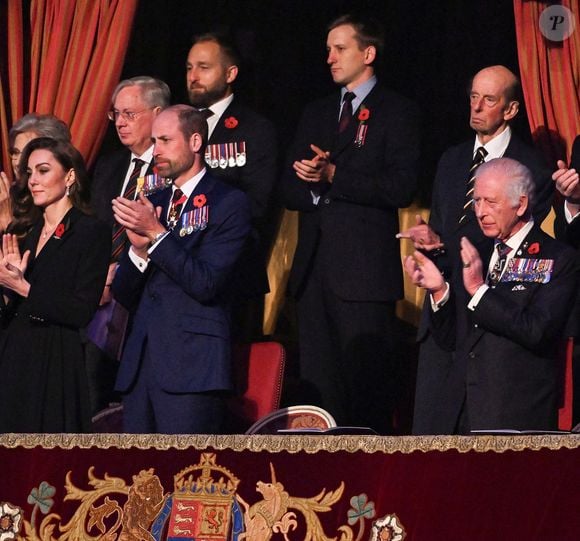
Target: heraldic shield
202, 507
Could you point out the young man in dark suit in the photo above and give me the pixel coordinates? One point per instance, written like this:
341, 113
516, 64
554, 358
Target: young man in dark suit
242, 151
507, 323
134, 105
185, 243
352, 166
494, 103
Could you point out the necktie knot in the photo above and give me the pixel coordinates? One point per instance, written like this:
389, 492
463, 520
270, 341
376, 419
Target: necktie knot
206, 113
502, 249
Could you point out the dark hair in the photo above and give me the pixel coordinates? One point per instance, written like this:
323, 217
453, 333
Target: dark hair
227, 48
25, 213
191, 121
367, 32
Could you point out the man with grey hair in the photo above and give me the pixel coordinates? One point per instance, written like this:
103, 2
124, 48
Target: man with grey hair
136, 102
507, 334
494, 102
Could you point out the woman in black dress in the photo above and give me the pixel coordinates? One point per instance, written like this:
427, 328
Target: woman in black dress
50, 292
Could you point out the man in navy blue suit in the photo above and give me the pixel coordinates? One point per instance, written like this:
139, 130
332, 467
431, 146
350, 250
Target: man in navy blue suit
185, 242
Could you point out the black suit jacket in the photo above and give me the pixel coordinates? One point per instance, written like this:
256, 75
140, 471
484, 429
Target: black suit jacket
449, 189
107, 182
569, 232
507, 365
256, 179
438, 375
353, 226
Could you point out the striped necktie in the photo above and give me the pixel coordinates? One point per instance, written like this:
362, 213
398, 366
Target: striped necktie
119, 235
478, 159
495, 274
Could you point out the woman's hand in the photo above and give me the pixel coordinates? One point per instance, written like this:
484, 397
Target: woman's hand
13, 266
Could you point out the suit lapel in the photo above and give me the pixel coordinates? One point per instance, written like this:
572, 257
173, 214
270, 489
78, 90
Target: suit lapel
372, 102
56, 241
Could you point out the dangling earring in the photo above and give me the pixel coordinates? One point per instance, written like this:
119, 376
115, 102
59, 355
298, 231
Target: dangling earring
68, 191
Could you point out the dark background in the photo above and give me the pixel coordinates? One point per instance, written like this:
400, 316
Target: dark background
432, 49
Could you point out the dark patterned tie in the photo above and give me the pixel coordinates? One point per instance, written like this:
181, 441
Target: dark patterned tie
495, 274
177, 201
478, 159
346, 111
119, 235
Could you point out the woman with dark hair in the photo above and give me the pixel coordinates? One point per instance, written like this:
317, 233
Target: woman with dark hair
50, 292
25, 129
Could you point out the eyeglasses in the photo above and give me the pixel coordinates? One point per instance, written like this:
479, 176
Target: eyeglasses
127, 115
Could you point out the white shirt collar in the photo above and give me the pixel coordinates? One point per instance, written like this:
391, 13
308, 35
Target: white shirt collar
147, 156
189, 185
218, 109
497, 146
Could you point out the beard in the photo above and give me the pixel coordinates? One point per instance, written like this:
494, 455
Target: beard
204, 97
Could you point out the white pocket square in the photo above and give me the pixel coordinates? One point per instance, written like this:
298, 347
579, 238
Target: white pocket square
519, 287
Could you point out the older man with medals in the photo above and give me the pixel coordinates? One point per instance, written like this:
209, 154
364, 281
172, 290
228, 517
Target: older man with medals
508, 334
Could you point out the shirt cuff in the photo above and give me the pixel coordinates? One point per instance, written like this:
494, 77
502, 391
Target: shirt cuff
158, 239
435, 306
477, 296
568, 214
139, 262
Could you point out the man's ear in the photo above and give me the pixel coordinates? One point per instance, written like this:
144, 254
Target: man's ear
195, 142
370, 54
523, 206
231, 74
511, 110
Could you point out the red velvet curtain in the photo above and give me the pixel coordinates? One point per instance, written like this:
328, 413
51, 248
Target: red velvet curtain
550, 75
76, 55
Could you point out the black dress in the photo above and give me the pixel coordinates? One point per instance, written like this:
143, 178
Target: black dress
43, 382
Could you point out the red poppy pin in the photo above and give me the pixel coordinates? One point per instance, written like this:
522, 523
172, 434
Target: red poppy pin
231, 122
199, 201
59, 231
534, 248
361, 132
364, 114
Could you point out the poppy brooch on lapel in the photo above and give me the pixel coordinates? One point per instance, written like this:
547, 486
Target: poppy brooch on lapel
534, 248
231, 122
361, 132
61, 229
199, 200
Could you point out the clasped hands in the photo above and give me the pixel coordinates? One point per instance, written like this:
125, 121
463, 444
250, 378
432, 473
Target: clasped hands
13, 266
140, 219
317, 169
425, 274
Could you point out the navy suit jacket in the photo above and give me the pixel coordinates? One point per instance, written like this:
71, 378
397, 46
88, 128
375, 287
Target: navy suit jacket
506, 361
353, 227
256, 179
180, 303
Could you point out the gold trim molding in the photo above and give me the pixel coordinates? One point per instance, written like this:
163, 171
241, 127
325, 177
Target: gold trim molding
298, 443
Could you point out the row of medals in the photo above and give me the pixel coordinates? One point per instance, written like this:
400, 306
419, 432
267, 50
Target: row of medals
226, 154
